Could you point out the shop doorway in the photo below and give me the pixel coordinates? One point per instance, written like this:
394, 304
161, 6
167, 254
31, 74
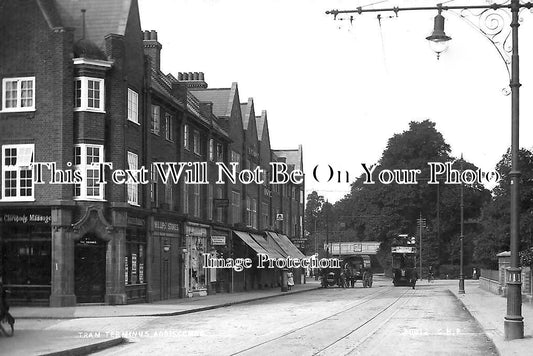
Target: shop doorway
89, 269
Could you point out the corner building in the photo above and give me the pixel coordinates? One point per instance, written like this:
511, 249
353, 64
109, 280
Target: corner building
80, 83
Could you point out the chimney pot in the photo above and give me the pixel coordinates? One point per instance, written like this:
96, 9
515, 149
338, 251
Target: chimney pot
196, 75
146, 35
191, 75
153, 35
180, 76
201, 76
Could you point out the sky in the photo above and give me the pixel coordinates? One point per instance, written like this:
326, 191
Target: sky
342, 90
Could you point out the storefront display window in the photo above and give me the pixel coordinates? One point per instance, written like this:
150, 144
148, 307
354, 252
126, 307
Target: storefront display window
135, 256
196, 246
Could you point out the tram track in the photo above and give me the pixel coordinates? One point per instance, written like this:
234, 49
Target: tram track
367, 322
360, 302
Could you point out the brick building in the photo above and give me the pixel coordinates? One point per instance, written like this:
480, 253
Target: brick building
81, 84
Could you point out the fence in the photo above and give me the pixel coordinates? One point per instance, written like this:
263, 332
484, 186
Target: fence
490, 274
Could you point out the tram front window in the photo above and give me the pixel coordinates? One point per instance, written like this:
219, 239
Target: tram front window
403, 261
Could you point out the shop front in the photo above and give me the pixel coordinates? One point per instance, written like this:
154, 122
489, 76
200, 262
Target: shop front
220, 278
166, 259
135, 260
25, 246
196, 244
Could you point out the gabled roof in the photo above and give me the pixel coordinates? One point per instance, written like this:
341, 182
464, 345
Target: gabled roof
246, 112
261, 123
292, 157
102, 17
222, 99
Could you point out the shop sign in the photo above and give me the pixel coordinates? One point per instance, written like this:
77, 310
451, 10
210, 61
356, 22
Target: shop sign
134, 263
126, 269
141, 272
218, 240
403, 249
25, 218
166, 226
135, 221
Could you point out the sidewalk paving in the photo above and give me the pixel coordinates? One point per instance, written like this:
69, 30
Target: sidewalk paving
36, 334
489, 310
161, 308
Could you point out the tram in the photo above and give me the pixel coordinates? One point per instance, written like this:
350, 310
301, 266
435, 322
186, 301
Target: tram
404, 252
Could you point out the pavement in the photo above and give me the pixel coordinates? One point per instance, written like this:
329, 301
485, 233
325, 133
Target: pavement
35, 336
38, 337
489, 311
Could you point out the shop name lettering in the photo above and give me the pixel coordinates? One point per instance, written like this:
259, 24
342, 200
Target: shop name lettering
25, 218
173, 172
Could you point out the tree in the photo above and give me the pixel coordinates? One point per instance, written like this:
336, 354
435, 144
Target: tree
494, 235
380, 212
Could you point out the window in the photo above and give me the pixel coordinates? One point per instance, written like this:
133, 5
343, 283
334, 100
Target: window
169, 197
133, 106
254, 213
84, 156
186, 136
266, 215
211, 149
220, 152
89, 94
154, 196
248, 211
219, 216
17, 178
168, 127
210, 202
196, 142
197, 199
185, 198
156, 120
236, 206
235, 157
133, 188
18, 94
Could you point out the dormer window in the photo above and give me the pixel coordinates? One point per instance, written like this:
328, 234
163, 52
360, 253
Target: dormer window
89, 94
18, 94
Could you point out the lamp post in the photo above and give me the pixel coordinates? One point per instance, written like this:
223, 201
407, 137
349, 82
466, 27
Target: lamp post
513, 323
461, 272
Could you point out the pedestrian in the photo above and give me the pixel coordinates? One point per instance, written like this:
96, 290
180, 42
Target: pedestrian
290, 280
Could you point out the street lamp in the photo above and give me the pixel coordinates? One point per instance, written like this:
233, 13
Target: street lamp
438, 41
461, 272
514, 322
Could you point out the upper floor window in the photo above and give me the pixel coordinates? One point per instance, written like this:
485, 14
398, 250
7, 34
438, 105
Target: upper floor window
84, 156
89, 94
17, 178
18, 94
196, 142
168, 127
156, 119
186, 136
211, 149
235, 157
133, 106
133, 188
220, 152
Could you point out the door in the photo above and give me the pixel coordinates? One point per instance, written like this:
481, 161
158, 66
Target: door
89, 269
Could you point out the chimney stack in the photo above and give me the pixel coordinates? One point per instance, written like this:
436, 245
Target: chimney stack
193, 80
152, 48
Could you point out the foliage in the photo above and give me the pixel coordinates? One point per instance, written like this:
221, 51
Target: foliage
380, 212
494, 235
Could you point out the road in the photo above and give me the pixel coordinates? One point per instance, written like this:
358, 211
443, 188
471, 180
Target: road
382, 320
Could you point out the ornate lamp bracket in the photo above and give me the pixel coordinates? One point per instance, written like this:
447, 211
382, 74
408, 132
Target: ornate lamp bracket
495, 25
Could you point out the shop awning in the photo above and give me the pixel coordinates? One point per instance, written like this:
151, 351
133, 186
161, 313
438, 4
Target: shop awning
269, 247
286, 244
244, 236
